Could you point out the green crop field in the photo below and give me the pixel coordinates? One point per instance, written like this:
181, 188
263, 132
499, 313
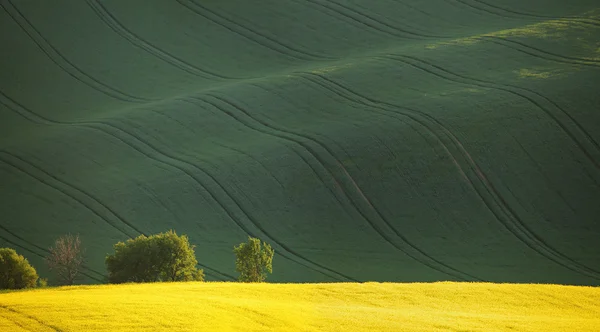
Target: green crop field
388, 140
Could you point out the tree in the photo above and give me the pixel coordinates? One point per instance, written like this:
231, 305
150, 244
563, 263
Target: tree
15, 271
253, 261
66, 258
160, 257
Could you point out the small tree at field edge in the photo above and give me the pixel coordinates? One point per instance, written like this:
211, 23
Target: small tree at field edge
253, 260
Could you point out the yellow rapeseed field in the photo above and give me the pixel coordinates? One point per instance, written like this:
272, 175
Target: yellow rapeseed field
370, 307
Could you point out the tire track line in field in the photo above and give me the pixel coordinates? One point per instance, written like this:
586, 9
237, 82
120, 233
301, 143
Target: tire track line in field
578, 19
72, 196
548, 181
256, 160
516, 225
437, 18
195, 101
44, 250
249, 33
517, 91
52, 327
530, 50
492, 208
477, 9
85, 267
70, 191
153, 153
532, 236
351, 96
368, 21
240, 151
307, 262
494, 12
111, 21
383, 23
351, 186
332, 141
28, 114
23, 327
280, 135
61, 61
66, 189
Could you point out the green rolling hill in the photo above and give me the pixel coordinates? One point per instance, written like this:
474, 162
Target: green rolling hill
403, 140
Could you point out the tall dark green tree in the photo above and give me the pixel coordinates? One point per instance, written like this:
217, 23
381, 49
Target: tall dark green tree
253, 260
15, 271
160, 257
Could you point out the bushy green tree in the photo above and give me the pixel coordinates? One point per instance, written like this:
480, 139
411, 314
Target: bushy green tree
160, 257
253, 260
15, 271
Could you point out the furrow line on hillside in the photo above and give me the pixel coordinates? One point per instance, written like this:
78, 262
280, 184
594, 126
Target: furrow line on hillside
520, 92
508, 211
531, 49
386, 113
61, 61
88, 207
436, 17
241, 210
546, 178
516, 226
370, 16
380, 110
278, 133
153, 153
359, 107
477, 184
69, 190
111, 21
478, 10
32, 116
100, 280
365, 207
336, 13
52, 327
579, 19
194, 101
576, 20
256, 160
66, 189
240, 151
345, 197
249, 33
44, 250
368, 21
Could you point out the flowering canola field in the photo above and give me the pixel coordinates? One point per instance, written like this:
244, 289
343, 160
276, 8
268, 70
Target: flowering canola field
215, 306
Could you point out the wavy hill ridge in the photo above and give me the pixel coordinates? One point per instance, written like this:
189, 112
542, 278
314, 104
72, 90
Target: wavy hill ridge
389, 141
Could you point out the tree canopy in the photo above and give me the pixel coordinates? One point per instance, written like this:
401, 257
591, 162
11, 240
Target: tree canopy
15, 271
160, 257
253, 260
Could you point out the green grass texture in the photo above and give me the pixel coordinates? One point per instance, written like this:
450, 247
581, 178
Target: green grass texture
389, 140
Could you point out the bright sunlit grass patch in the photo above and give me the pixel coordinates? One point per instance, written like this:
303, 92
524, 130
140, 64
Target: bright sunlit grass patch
304, 307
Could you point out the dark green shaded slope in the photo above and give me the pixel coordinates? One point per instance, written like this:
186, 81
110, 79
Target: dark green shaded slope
401, 141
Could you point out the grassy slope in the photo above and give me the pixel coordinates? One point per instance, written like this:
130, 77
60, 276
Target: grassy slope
427, 140
304, 307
